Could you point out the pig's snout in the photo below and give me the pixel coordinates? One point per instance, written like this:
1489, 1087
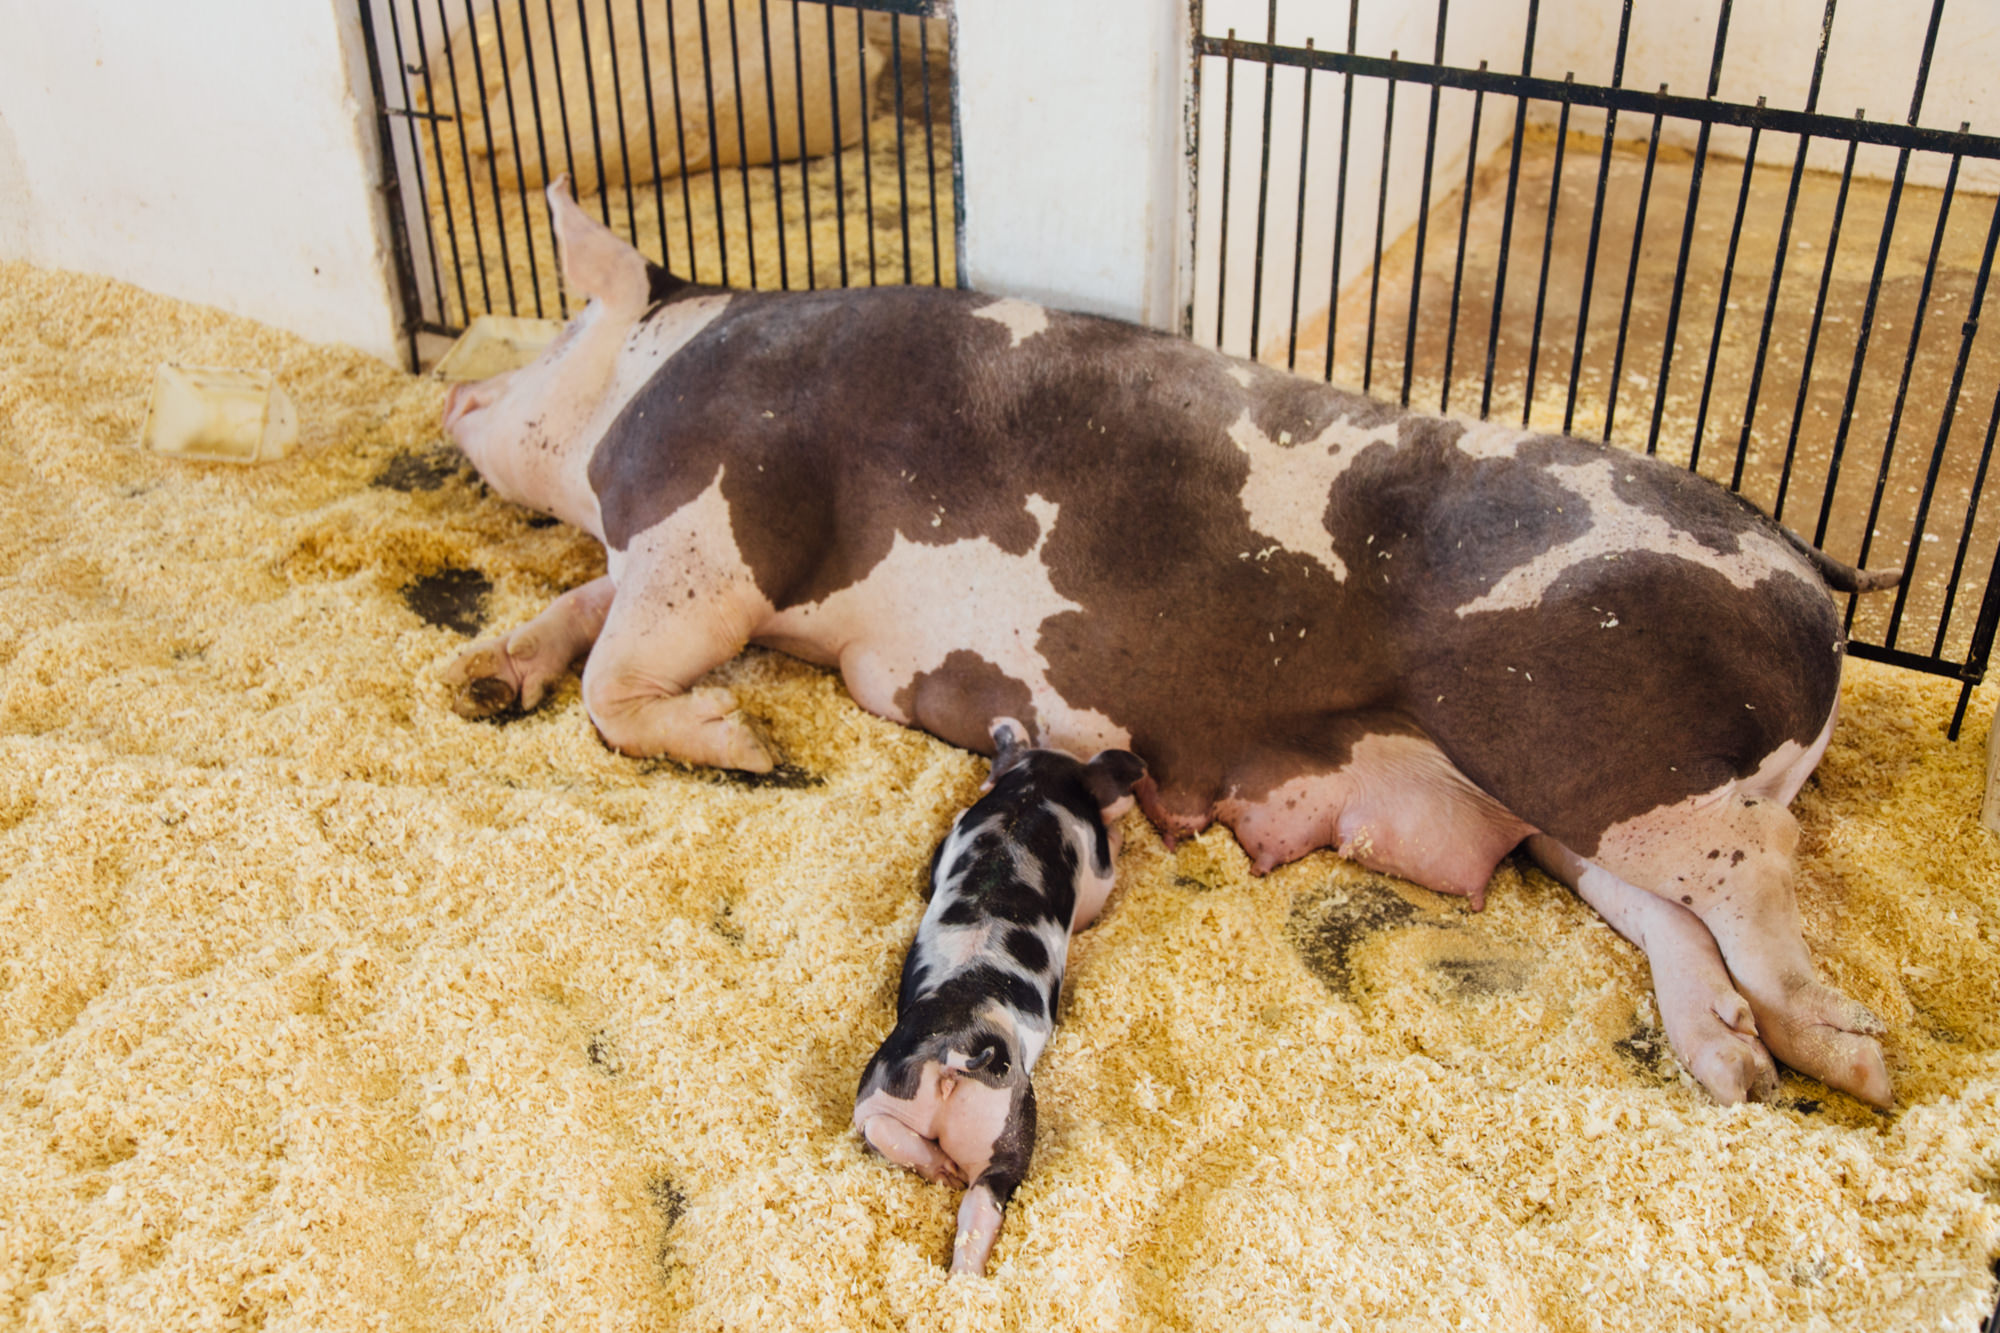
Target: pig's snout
463, 399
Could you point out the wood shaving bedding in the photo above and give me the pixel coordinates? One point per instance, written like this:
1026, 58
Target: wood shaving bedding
323, 1008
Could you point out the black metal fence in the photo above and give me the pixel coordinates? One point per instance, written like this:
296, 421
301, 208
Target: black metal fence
760, 143
1805, 333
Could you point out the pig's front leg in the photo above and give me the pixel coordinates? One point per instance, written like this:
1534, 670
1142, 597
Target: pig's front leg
516, 670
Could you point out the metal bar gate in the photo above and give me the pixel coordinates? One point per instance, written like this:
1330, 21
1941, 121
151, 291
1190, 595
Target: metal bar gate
1762, 354
764, 143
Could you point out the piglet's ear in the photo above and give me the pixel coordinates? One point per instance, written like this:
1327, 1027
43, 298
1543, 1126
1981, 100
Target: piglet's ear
1010, 742
1111, 776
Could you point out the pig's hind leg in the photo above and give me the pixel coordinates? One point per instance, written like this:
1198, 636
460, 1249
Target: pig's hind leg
1727, 857
516, 670
1709, 1025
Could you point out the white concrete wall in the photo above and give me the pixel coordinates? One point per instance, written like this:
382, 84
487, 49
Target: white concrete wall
218, 151
1071, 122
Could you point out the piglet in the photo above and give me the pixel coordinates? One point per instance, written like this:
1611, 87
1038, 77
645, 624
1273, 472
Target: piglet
948, 1095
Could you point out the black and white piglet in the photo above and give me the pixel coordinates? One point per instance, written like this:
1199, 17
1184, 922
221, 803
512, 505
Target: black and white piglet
948, 1095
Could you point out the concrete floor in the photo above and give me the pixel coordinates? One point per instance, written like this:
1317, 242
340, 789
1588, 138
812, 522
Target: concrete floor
1716, 417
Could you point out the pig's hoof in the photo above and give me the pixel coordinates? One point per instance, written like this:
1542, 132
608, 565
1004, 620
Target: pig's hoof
484, 697
486, 686
1818, 1031
1724, 1055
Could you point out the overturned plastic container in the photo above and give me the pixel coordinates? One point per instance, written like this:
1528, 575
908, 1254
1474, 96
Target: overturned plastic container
493, 344
219, 415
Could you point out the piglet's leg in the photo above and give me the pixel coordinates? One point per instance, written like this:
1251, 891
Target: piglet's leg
905, 1147
517, 669
979, 1216
1708, 1024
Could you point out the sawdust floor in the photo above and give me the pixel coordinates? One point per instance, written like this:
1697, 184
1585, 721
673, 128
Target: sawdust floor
321, 1008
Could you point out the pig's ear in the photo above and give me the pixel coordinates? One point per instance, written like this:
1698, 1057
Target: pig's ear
1111, 776
1010, 742
596, 264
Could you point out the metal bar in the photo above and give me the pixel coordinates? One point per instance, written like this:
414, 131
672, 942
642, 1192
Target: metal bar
562, 107
1875, 285
1784, 250
1228, 157
743, 143
618, 110
1632, 275
1896, 416
838, 154
1983, 631
715, 157
1812, 336
1596, 220
1381, 242
1930, 666
771, 124
867, 144
1340, 190
1464, 226
1423, 215
930, 150
902, 138
1548, 252
805, 175
414, 311
1774, 120
1263, 197
542, 149
1947, 416
590, 95
680, 139
492, 164
1299, 223
1191, 169
514, 135
1722, 307
958, 159
465, 158
652, 132
1687, 238
1986, 451
392, 186
1507, 216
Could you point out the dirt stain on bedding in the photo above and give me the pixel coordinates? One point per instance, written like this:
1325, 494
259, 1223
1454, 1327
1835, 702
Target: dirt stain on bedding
321, 1006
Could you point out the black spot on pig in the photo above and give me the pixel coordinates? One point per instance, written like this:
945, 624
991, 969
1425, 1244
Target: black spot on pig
452, 598
1328, 927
